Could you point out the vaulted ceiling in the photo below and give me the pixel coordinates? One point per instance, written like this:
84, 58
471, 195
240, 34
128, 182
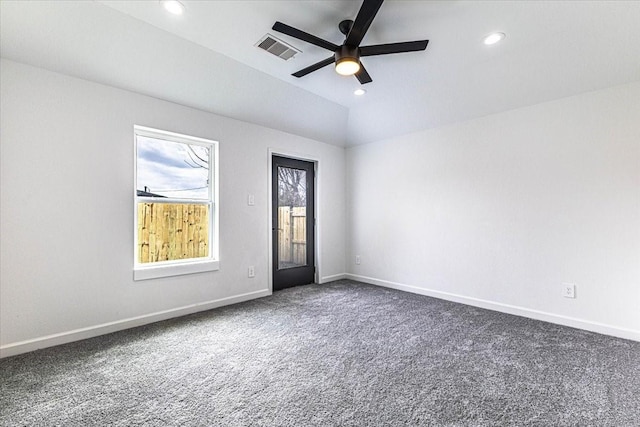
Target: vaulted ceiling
207, 58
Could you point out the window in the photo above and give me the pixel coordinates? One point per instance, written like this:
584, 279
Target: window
176, 209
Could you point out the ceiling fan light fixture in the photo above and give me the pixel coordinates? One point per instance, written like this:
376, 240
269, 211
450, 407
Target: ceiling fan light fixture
347, 66
173, 6
347, 62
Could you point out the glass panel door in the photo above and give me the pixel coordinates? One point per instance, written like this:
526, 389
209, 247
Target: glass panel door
293, 222
292, 217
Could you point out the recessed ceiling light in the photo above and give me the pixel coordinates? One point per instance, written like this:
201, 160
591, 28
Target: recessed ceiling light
173, 6
493, 38
359, 92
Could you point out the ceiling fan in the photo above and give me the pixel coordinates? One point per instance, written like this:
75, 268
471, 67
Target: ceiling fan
347, 56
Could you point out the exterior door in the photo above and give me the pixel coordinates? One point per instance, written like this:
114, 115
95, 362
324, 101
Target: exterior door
293, 222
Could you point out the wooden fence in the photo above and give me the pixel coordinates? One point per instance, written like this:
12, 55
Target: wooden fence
172, 231
292, 236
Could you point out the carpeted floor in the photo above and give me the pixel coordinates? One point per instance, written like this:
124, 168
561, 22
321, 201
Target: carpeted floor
340, 354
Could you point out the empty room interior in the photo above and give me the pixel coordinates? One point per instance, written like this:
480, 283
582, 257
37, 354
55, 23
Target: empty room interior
317, 213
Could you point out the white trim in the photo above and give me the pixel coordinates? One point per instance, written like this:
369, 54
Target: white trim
118, 325
332, 278
214, 175
171, 136
157, 270
307, 158
573, 322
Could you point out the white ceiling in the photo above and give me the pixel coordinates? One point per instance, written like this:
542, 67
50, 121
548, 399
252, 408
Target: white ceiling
207, 57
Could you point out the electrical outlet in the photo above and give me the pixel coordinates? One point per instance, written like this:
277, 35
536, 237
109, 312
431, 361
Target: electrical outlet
357, 259
568, 290
252, 271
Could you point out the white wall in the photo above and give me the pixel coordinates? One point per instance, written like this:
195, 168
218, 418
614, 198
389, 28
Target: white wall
67, 205
500, 211
495, 212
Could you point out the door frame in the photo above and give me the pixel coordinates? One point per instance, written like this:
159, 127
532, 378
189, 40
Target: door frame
316, 165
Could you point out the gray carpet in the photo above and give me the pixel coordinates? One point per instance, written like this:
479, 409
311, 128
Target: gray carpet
341, 354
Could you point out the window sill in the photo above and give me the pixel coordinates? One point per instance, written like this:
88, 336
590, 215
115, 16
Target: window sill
157, 271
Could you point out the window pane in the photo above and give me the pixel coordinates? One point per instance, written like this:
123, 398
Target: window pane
172, 231
172, 169
292, 215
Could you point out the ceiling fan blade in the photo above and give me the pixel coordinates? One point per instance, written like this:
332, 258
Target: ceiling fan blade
364, 19
301, 35
362, 75
385, 49
314, 67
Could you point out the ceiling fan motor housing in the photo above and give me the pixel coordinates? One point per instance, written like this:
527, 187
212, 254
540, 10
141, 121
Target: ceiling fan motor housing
347, 53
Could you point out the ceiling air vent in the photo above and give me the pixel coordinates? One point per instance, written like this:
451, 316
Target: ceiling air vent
277, 47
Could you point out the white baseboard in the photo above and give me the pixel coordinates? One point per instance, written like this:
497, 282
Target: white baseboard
600, 328
107, 328
327, 279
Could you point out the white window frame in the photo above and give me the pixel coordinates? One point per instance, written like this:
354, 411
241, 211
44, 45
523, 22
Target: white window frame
143, 271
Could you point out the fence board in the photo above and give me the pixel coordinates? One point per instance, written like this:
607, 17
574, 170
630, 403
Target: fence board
172, 231
292, 236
